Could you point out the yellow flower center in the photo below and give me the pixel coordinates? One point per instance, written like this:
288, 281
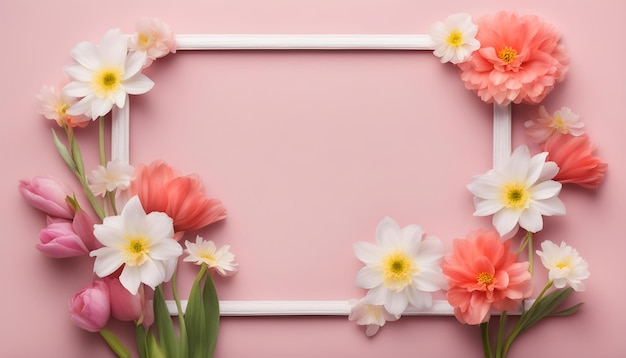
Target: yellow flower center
144, 41
106, 81
558, 122
398, 269
565, 262
455, 39
485, 278
515, 196
137, 250
207, 256
507, 54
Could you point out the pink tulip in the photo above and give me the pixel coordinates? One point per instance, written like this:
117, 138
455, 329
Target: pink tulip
128, 307
574, 156
90, 308
181, 197
83, 227
47, 195
59, 240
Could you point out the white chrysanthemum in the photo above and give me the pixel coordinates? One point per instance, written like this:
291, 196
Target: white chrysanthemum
402, 268
564, 264
142, 242
563, 121
519, 194
115, 176
205, 252
105, 75
455, 38
372, 316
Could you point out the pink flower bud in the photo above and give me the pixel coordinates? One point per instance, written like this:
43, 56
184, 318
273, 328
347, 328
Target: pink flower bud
83, 227
47, 195
90, 308
59, 240
126, 306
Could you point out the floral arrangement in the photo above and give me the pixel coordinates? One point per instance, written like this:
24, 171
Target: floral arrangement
135, 217
503, 58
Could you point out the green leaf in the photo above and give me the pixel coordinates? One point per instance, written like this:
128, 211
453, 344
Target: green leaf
164, 324
195, 320
544, 307
211, 312
152, 347
184, 342
65, 154
78, 158
140, 338
567, 311
116, 345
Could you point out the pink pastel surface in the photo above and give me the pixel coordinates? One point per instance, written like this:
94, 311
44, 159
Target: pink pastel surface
308, 151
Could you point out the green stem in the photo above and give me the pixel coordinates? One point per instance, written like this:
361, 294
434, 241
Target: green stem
183, 347
531, 254
101, 142
484, 333
501, 330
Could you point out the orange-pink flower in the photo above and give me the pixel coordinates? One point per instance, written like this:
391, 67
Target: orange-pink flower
519, 59
483, 274
574, 156
182, 198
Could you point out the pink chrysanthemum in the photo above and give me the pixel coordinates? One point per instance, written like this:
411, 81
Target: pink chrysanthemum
519, 59
483, 274
574, 156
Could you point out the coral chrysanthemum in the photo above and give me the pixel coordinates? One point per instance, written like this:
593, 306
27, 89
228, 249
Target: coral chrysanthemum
483, 274
519, 60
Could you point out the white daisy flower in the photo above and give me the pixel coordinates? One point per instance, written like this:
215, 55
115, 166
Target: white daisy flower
142, 243
519, 194
565, 266
115, 176
402, 268
371, 316
455, 38
205, 252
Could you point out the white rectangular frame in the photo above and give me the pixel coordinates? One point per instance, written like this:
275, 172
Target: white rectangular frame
120, 142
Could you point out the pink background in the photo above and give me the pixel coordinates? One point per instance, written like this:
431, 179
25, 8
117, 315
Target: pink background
308, 151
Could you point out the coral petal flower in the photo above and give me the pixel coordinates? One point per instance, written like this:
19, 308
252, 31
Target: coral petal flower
574, 156
483, 274
519, 59
182, 198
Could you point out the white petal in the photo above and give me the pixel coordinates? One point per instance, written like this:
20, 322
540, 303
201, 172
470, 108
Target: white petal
430, 251
134, 63
549, 207
536, 168
152, 273
487, 207
77, 89
420, 300
388, 233
107, 261
505, 220
531, 220
130, 278
113, 48
78, 73
518, 164
100, 106
412, 238
87, 54
550, 170
132, 214
396, 302
368, 278
546, 189
429, 280
108, 235
138, 84
367, 252
377, 295
166, 250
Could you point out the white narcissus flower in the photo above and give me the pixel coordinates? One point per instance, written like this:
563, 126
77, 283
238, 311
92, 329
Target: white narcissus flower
105, 75
205, 252
518, 194
142, 243
455, 38
402, 268
115, 176
565, 266
372, 316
